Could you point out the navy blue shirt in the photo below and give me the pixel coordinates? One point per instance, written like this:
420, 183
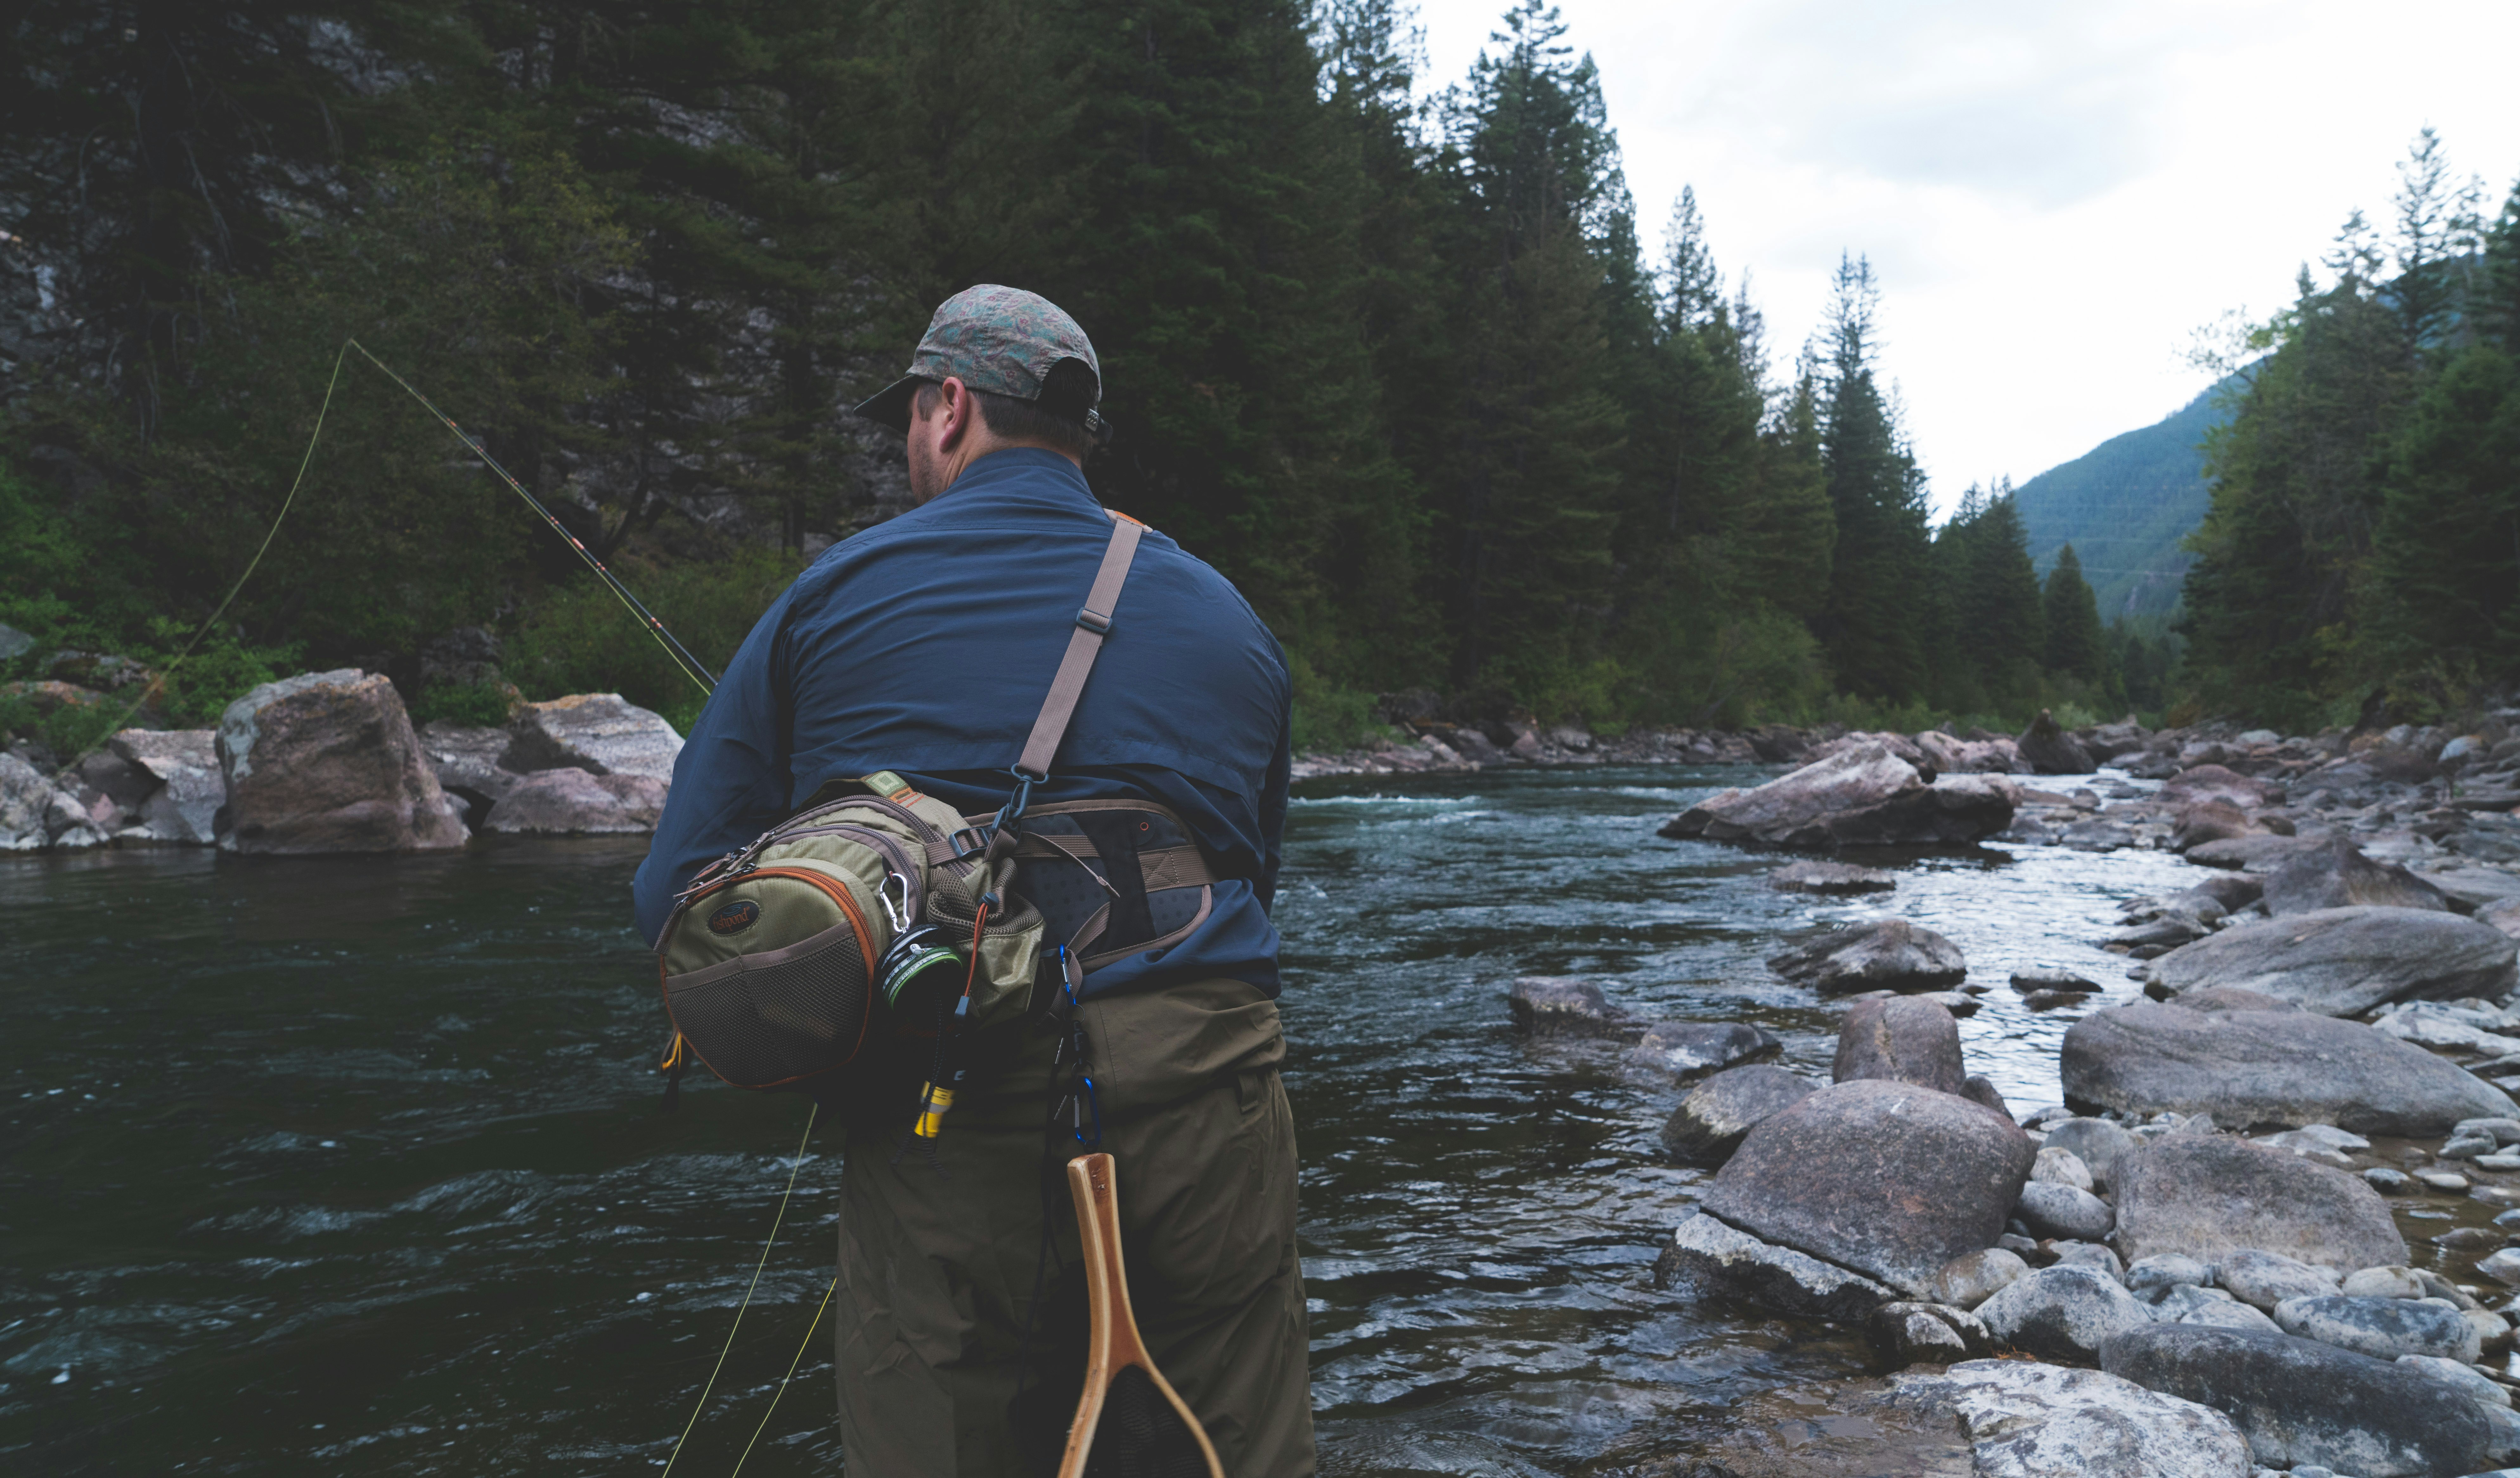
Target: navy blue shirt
925, 645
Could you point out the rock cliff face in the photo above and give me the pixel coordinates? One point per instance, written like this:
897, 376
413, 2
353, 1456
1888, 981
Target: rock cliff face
328, 762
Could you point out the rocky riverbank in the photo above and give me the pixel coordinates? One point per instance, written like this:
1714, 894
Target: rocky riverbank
328, 763
2203, 1252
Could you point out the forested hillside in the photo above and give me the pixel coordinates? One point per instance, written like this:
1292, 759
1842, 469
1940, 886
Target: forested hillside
2362, 553
2125, 506
1419, 376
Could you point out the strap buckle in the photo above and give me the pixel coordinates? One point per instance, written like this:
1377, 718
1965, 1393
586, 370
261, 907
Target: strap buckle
1094, 620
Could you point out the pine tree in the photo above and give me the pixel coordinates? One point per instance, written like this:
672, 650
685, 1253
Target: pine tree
2075, 644
1871, 625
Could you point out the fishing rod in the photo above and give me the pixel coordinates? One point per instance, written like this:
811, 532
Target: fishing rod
690, 667
693, 667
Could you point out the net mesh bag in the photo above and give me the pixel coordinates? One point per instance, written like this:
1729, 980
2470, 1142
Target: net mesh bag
1140, 1436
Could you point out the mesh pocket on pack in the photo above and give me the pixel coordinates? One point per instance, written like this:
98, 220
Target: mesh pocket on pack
773, 1018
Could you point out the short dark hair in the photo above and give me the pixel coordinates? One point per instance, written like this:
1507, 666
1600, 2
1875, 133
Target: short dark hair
1032, 420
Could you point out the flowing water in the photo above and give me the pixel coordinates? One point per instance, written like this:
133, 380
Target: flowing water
355, 1164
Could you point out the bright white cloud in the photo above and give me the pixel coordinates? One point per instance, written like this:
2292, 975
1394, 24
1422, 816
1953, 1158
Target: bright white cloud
2055, 196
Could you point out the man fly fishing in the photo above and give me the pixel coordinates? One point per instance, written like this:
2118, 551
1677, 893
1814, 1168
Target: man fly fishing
916, 654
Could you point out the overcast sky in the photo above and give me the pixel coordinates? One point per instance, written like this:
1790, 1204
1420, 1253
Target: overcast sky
2054, 197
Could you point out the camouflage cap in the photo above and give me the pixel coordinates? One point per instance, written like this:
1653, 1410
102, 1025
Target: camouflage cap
999, 340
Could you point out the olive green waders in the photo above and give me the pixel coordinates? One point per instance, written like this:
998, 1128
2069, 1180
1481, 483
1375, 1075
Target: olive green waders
938, 1259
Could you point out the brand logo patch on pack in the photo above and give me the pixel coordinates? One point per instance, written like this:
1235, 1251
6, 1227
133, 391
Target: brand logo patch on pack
734, 917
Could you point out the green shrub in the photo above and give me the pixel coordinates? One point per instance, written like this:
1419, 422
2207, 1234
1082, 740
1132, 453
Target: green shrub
1327, 716
581, 639
473, 705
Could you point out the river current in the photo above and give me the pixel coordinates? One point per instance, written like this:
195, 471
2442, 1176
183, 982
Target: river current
355, 1164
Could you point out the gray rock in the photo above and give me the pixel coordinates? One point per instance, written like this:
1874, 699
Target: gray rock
328, 762
2345, 961
2263, 1280
2387, 1181
467, 761
1831, 878
1973, 1277
2214, 782
2166, 1270
2050, 1210
1887, 1178
1883, 955
2256, 854
1908, 1333
2267, 1069
2210, 1307
1864, 794
2502, 1267
2384, 1282
2049, 749
2300, 1403
2503, 1130
2228, 999
190, 791
2063, 1312
596, 732
1710, 1123
2071, 1252
2467, 1148
2460, 1377
2383, 1328
1688, 1050
2099, 1143
2061, 1166
575, 803
2336, 874
2029, 981
1563, 1006
14, 642
1900, 1039
2026, 1420
1706, 1257
1976, 1089
2209, 1196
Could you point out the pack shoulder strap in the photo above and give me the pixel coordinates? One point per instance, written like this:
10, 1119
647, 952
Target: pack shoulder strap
1084, 644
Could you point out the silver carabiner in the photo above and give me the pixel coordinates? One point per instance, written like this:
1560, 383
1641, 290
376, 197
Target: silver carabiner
899, 912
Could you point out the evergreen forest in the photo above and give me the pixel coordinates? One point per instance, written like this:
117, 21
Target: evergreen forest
1400, 355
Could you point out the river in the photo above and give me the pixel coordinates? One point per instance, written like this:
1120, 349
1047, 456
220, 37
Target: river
355, 1164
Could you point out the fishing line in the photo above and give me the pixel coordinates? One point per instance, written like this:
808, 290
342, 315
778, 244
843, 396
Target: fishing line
748, 1303
692, 667
791, 1375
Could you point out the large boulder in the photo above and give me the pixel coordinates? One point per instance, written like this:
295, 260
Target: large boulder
2026, 1420
596, 732
2067, 1312
1901, 1038
1970, 756
573, 802
328, 762
1863, 794
2336, 874
1563, 1005
1885, 954
1707, 1257
470, 761
1688, 1050
2050, 1210
2266, 1070
2383, 1328
2301, 1403
1710, 1123
2212, 821
34, 811
2207, 1196
2049, 749
1888, 1178
191, 791
2345, 961
2213, 782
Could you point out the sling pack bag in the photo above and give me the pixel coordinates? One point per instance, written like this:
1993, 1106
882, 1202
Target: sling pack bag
782, 962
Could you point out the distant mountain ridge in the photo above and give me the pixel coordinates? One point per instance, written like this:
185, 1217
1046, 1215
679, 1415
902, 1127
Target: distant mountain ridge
2124, 506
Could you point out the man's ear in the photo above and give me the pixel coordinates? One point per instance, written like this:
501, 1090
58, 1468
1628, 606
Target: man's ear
956, 405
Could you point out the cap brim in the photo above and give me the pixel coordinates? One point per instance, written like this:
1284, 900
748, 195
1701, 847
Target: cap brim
890, 405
